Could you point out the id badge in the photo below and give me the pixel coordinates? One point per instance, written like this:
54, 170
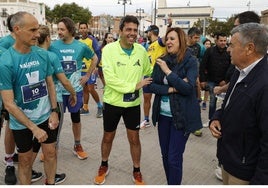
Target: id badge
34, 91
130, 97
69, 67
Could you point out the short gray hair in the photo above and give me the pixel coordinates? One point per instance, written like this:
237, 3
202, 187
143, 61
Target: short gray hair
17, 18
255, 33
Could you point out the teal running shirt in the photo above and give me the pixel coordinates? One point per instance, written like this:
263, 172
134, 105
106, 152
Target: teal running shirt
2, 50
7, 41
71, 56
57, 68
25, 74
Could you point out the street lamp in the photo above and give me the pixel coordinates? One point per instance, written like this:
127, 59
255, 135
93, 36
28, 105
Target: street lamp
124, 2
140, 10
248, 5
155, 12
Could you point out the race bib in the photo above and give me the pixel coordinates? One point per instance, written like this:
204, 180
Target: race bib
34, 91
129, 97
69, 67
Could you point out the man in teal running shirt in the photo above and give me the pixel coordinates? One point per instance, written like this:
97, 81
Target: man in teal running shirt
28, 93
11, 155
71, 53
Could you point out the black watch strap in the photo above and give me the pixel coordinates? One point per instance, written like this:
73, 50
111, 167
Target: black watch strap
54, 110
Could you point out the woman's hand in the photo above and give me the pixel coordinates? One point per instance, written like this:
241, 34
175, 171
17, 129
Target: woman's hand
163, 66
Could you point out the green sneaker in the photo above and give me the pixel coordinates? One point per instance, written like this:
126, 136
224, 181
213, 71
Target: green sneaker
198, 132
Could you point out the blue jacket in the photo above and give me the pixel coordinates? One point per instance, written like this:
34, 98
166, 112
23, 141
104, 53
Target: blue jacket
184, 104
243, 147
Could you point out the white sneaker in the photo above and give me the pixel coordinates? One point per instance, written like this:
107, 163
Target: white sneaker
147, 123
144, 124
218, 172
221, 96
205, 125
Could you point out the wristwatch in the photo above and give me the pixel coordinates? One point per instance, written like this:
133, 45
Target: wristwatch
55, 110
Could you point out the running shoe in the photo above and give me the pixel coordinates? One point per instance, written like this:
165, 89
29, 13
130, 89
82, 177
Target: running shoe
102, 173
137, 178
79, 152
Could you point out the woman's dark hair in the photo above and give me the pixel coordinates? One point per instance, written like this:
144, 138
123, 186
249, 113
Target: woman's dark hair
206, 41
104, 42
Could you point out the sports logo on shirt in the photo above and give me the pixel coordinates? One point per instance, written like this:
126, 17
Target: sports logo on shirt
120, 64
137, 63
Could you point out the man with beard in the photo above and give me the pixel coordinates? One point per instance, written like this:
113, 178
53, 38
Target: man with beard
71, 53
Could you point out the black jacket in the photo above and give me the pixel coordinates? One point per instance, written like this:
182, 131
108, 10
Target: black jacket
214, 65
243, 147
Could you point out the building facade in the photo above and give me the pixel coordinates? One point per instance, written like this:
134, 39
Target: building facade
183, 17
264, 17
8, 7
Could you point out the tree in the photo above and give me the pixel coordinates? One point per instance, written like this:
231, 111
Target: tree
73, 11
49, 14
215, 25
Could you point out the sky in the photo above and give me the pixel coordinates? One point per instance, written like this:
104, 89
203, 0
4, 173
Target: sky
222, 8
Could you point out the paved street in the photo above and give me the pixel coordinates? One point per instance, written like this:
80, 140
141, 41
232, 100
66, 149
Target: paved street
199, 157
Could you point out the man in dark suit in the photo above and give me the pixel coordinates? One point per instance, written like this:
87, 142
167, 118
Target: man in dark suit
241, 123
